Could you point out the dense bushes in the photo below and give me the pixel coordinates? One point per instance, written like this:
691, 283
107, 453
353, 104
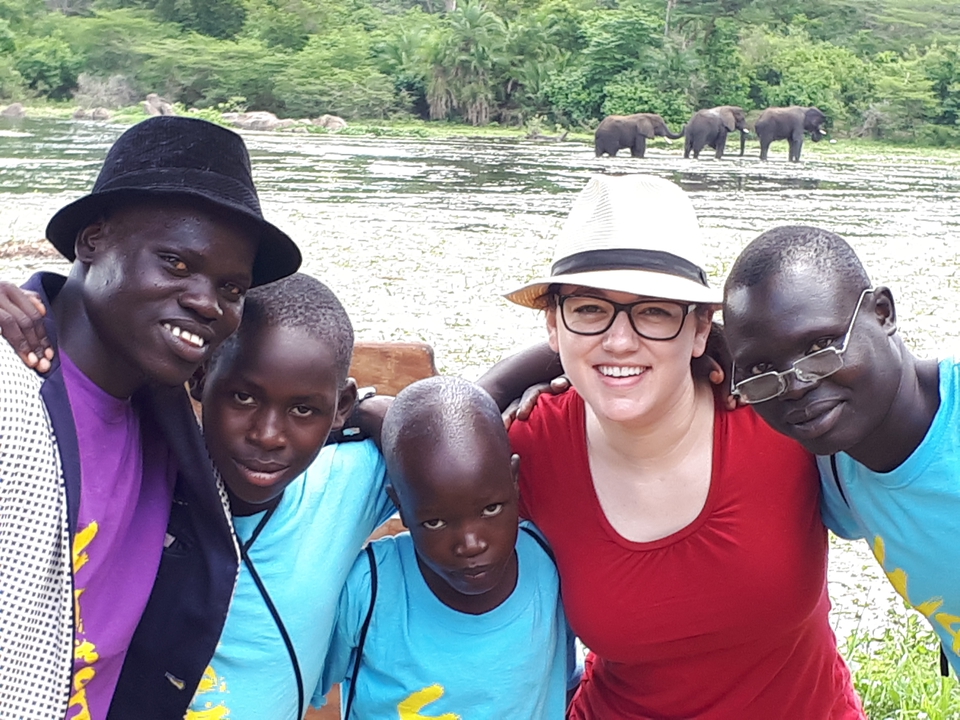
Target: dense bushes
566, 61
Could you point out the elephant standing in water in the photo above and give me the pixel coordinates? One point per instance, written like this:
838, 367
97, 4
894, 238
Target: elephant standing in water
789, 123
710, 127
630, 131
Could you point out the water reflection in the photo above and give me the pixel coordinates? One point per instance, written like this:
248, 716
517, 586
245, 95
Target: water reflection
420, 237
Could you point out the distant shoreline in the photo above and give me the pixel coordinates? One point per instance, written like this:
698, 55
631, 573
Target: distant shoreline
431, 129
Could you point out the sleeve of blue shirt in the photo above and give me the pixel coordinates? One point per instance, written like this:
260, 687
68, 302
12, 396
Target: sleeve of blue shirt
834, 509
351, 611
365, 458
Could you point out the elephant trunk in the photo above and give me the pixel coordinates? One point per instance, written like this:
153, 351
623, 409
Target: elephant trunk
674, 136
743, 140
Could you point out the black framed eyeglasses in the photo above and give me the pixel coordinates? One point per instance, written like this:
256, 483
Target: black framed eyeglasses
815, 366
650, 319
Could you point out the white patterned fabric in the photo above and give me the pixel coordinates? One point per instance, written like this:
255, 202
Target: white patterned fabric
36, 604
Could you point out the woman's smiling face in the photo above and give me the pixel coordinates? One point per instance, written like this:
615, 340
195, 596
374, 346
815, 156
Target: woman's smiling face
622, 376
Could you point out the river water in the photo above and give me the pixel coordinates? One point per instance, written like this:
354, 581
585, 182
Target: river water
419, 237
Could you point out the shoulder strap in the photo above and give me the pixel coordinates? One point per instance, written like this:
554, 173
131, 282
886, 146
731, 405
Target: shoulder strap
541, 542
268, 601
836, 478
363, 631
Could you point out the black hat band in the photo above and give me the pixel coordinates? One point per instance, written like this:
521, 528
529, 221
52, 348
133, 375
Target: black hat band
630, 259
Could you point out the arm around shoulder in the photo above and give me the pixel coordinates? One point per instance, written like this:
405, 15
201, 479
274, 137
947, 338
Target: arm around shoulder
507, 380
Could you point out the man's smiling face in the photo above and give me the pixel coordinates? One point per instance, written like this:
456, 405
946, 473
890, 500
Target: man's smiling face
794, 313
164, 285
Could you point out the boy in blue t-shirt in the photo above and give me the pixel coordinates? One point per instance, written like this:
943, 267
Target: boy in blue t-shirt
816, 350
271, 395
460, 618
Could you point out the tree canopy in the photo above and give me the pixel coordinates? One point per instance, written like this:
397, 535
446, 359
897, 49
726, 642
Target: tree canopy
877, 68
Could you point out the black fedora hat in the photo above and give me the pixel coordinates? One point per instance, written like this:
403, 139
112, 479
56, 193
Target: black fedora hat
178, 156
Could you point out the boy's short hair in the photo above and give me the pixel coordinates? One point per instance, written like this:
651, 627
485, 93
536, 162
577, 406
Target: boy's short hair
790, 246
439, 410
300, 302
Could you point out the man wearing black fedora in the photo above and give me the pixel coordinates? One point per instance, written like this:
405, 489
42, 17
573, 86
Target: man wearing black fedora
117, 556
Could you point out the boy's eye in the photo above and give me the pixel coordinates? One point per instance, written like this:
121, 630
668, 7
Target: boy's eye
174, 262
433, 524
493, 510
301, 411
232, 290
243, 398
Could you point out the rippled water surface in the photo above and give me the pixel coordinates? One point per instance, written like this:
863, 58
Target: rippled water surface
418, 237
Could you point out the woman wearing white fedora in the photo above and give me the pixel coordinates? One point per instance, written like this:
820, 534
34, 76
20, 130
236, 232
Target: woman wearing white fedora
688, 536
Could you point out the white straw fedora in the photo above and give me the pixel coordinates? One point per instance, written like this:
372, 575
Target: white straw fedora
636, 234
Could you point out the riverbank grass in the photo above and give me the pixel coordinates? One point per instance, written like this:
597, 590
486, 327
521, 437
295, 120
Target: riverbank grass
896, 671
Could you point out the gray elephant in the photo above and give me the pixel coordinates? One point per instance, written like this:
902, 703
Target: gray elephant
630, 131
789, 123
710, 127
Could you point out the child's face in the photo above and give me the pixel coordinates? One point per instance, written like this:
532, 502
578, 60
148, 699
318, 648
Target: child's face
771, 325
461, 508
267, 410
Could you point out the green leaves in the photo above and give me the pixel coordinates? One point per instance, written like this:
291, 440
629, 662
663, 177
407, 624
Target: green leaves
48, 66
879, 68
794, 69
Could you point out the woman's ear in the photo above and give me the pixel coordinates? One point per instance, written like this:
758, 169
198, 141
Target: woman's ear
704, 319
551, 315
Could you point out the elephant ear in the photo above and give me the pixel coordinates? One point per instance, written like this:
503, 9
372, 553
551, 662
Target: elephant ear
729, 121
645, 127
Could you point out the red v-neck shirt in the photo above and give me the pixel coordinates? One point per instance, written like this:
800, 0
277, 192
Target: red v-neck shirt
726, 619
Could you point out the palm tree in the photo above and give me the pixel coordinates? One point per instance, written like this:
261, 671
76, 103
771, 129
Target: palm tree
464, 58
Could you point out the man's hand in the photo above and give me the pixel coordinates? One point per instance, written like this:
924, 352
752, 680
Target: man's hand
521, 409
21, 323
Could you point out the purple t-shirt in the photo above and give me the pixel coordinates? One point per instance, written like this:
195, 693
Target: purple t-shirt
126, 488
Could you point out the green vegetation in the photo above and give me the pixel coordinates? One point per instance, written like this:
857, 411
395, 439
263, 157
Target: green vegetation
880, 69
897, 672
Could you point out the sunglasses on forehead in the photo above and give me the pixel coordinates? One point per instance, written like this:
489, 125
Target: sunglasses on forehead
815, 366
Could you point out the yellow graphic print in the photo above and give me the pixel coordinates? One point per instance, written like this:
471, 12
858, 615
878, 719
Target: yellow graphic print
210, 682
410, 708
928, 608
84, 651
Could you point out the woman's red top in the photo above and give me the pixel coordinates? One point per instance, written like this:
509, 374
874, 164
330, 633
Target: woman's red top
726, 619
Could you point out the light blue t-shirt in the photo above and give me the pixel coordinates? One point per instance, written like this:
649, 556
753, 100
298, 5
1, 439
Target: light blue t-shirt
422, 659
910, 516
303, 555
